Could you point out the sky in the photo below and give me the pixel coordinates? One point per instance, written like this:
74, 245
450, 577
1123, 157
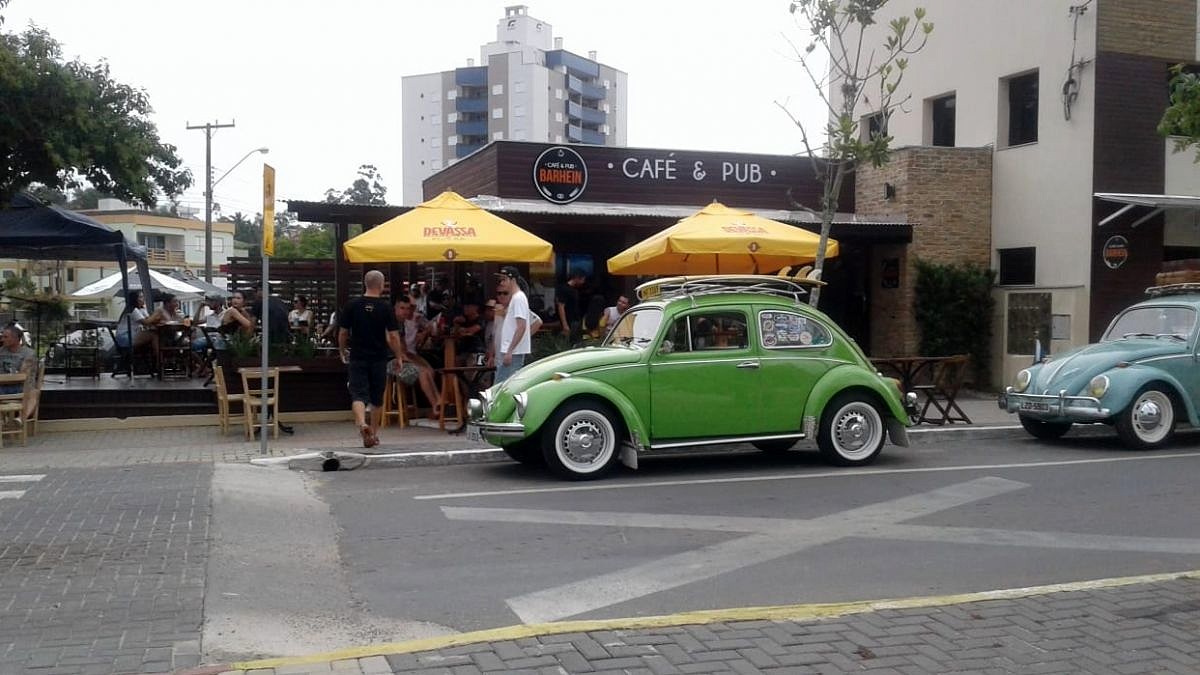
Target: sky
318, 83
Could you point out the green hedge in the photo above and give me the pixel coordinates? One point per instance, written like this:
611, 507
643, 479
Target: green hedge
954, 312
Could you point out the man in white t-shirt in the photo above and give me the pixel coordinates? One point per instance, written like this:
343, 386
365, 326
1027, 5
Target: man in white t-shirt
514, 333
611, 314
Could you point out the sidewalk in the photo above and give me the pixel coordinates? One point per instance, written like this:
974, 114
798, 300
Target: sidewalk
399, 447
1127, 625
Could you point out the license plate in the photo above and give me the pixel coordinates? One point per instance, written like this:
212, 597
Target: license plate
473, 433
1034, 406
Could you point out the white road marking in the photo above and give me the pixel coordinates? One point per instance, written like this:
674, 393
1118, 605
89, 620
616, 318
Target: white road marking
771, 538
20, 478
840, 473
26, 478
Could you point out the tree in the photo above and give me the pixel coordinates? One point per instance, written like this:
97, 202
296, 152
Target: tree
368, 188
1182, 118
65, 121
839, 29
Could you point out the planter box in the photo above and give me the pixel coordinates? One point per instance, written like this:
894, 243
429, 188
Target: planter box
320, 385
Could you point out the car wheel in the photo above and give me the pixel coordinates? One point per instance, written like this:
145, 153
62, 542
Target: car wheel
852, 431
525, 451
581, 440
1046, 431
775, 447
1149, 421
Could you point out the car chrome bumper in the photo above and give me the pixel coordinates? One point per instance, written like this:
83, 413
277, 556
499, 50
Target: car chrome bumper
1054, 405
500, 429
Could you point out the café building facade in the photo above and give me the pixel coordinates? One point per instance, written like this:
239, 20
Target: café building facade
591, 202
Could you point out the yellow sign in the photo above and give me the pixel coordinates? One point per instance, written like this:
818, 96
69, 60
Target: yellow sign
268, 239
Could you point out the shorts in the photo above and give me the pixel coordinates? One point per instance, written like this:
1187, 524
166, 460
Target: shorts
366, 381
407, 372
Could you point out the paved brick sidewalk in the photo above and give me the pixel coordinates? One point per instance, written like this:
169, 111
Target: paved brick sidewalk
1148, 627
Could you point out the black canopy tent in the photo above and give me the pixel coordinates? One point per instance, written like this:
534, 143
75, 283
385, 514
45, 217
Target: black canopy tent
31, 230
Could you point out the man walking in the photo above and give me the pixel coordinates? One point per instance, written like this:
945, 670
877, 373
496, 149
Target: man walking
568, 306
367, 327
514, 342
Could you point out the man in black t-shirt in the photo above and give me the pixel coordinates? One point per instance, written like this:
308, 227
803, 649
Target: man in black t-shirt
367, 329
567, 307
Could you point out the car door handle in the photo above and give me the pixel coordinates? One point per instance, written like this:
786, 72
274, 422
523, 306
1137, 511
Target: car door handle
748, 365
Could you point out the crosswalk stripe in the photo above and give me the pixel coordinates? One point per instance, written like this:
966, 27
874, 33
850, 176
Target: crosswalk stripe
27, 478
11, 494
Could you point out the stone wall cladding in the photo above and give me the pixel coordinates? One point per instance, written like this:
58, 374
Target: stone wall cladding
947, 193
1160, 28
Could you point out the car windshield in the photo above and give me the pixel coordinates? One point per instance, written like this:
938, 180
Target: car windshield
1156, 322
635, 328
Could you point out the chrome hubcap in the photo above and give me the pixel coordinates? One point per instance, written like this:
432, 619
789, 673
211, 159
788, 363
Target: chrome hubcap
1148, 415
853, 431
1153, 416
583, 441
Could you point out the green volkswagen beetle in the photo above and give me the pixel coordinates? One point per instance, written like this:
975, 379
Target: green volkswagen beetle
700, 361
1142, 377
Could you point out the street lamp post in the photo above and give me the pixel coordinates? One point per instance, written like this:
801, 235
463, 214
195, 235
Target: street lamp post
208, 195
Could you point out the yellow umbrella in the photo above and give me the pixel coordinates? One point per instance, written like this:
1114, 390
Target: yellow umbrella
447, 227
721, 240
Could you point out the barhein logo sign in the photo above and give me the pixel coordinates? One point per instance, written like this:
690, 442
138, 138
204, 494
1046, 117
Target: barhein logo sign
560, 175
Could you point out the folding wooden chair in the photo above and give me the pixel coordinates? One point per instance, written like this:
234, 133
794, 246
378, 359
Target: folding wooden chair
226, 400
11, 406
261, 394
942, 392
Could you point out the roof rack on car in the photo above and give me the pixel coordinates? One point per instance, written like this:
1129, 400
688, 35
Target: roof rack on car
1172, 289
673, 287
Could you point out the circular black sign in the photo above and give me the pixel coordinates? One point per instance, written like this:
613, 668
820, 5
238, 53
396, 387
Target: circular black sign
1116, 251
560, 175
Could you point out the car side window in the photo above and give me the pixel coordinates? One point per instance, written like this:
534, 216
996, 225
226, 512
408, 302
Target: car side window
717, 331
790, 329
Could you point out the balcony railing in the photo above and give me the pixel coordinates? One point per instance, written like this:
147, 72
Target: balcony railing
471, 77
589, 115
164, 256
576, 65
588, 91
471, 105
479, 128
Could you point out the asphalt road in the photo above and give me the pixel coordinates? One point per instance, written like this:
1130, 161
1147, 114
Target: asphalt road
477, 546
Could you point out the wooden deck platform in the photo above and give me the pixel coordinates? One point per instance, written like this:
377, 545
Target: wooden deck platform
120, 397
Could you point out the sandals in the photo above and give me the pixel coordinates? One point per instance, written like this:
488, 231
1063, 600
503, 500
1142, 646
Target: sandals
369, 439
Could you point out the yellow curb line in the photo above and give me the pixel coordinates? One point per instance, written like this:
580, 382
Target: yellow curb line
768, 613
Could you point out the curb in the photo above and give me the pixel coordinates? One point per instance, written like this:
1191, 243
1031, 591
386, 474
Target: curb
804, 612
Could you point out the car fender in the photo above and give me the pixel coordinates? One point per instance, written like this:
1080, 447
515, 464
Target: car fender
546, 397
846, 377
1124, 383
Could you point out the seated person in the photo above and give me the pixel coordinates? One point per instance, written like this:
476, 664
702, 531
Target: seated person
301, 317
133, 319
468, 333
15, 357
207, 315
413, 368
237, 317
167, 313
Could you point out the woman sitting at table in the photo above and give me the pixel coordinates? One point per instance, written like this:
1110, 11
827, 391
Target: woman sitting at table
132, 319
237, 318
301, 317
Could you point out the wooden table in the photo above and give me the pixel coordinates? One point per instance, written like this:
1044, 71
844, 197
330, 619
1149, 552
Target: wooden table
907, 368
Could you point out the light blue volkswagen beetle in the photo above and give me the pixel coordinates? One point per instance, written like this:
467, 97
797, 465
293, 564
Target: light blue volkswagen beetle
1142, 377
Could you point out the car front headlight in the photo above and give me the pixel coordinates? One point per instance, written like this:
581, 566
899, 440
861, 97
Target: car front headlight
1098, 387
522, 400
1023, 379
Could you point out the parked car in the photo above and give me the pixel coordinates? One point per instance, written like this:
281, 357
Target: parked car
701, 361
1143, 376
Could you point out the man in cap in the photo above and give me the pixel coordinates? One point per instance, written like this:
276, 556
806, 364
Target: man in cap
514, 333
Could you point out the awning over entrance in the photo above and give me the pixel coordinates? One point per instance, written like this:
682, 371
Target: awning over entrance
1156, 203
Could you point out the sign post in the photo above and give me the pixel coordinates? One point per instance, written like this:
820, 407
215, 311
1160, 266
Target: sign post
268, 250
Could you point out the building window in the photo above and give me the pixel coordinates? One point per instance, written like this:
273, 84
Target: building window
520, 135
497, 113
873, 126
452, 140
435, 164
519, 87
558, 94
941, 116
498, 136
70, 274
198, 243
558, 117
1022, 100
497, 90
437, 120
518, 111
218, 245
1018, 266
451, 118
451, 94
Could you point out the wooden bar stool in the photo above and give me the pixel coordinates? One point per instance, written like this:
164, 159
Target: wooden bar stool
399, 401
452, 394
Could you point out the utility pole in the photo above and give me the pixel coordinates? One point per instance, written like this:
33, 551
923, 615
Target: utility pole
208, 188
